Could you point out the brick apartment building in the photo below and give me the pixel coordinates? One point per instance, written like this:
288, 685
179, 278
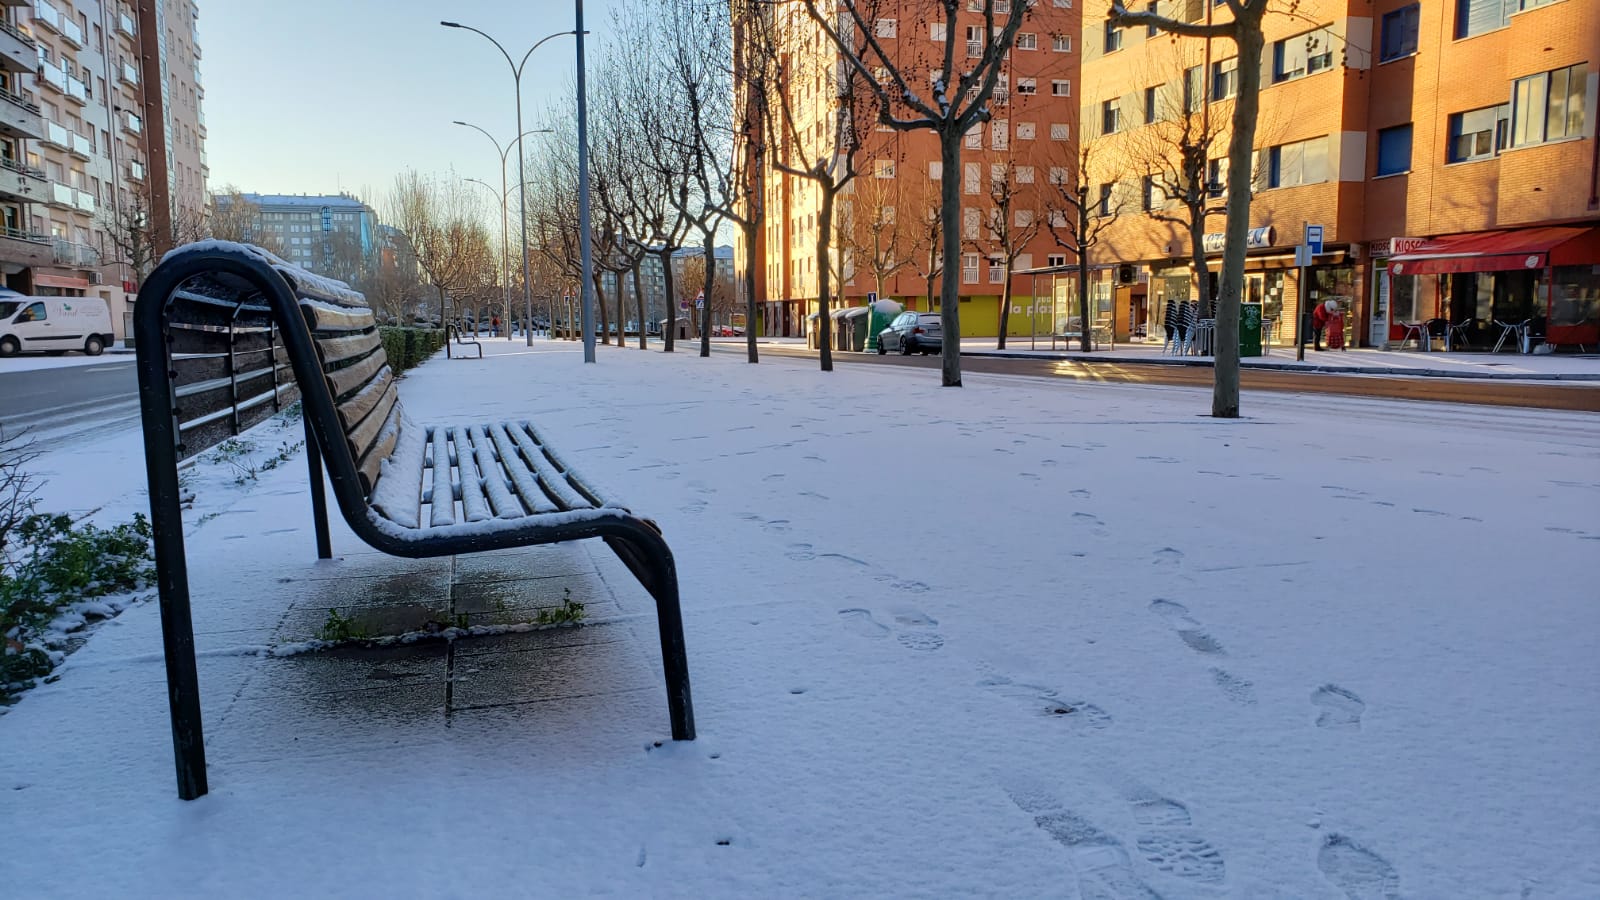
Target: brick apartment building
881, 243
100, 112
1447, 149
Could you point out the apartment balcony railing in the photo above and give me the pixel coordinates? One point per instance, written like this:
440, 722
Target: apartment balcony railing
130, 74
17, 47
125, 24
72, 31
136, 171
57, 136
82, 147
21, 234
71, 253
26, 248
132, 124
974, 49
61, 195
22, 183
20, 116
77, 90
84, 201
47, 15
52, 75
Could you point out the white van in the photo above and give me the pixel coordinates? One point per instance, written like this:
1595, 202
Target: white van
54, 324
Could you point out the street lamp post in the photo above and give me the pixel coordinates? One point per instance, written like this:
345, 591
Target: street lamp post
505, 253
585, 240
522, 175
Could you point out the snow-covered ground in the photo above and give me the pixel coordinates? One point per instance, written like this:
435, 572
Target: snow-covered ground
31, 362
1022, 639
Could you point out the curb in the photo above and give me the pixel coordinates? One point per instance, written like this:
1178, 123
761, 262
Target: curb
1321, 370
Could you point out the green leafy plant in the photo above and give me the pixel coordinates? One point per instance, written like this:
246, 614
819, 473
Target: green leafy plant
339, 629
570, 612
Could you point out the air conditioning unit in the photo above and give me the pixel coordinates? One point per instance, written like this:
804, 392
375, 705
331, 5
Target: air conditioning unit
94, 278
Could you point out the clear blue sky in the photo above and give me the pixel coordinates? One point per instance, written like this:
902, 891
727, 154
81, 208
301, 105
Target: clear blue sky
311, 96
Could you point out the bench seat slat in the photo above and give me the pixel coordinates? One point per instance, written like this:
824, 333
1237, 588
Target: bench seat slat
473, 504
398, 493
351, 378
339, 349
443, 497
352, 411
501, 498
528, 488
550, 475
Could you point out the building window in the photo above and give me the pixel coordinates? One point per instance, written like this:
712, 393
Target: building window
1399, 33
1152, 99
1110, 116
1305, 162
1302, 55
1193, 93
1474, 17
1217, 176
885, 28
1025, 131
936, 31
1056, 259
1061, 43
1000, 134
1549, 106
1478, 134
1113, 38
1151, 30
1060, 87
974, 137
1394, 150
1060, 131
935, 170
1103, 205
972, 181
1028, 86
1151, 194
1027, 40
1024, 174
969, 268
883, 168
1224, 79
997, 270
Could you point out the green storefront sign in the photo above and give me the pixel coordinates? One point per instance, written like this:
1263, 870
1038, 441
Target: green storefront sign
1249, 329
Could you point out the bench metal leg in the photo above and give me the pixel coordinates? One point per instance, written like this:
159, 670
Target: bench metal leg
319, 500
650, 560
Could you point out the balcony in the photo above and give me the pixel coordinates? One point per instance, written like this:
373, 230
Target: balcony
22, 183
77, 91
126, 26
130, 75
73, 32
52, 76
47, 15
18, 49
57, 136
61, 196
71, 253
19, 117
24, 248
84, 201
81, 147
136, 171
132, 124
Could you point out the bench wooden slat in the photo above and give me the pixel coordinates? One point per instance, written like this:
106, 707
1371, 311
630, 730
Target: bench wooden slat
528, 489
473, 504
339, 349
366, 432
327, 318
573, 480
348, 380
550, 477
444, 492
371, 464
501, 498
352, 411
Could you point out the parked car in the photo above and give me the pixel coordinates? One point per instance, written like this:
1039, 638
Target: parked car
913, 332
54, 325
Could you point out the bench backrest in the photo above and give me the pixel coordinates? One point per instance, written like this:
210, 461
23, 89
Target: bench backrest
227, 355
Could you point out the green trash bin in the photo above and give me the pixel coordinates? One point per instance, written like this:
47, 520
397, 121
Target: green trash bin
1249, 329
879, 320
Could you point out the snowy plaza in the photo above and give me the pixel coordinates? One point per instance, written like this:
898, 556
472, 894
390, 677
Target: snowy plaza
1025, 638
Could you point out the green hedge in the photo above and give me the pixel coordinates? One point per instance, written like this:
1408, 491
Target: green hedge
408, 347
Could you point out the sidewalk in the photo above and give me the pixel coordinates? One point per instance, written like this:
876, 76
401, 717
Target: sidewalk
1084, 657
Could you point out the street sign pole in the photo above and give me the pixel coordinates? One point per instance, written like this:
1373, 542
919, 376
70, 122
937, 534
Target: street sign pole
1302, 260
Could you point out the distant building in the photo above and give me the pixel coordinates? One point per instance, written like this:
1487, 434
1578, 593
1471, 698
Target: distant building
328, 234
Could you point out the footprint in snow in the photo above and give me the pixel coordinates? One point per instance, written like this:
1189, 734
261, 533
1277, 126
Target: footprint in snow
1100, 862
915, 631
777, 526
801, 552
1169, 841
1048, 702
1234, 688
1337, 707
1190, 631
693, 507
1360, 873
1167, 556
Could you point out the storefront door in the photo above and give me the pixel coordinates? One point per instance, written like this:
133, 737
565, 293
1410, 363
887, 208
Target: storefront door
1378, 325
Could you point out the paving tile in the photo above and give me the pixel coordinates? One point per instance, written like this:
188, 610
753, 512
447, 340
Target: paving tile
528, 676
544, 561
543, 639
347, 669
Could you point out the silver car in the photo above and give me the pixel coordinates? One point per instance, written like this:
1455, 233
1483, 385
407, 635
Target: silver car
913, 332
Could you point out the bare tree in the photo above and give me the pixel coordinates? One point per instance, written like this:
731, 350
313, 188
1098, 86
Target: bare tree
1083, 198
962, 82
445, 233
1243, 26
1012, 224
881, 243
927, 241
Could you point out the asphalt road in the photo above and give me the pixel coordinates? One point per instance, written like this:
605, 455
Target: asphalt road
55, 405
1577, 396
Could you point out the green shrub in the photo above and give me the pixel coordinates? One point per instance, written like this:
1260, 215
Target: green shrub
409, 347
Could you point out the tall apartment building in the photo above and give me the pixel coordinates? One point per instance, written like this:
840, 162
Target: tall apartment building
98, 101
882, 242
329, 234
1447, 149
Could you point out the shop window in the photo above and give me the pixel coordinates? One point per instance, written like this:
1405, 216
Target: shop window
1399, 33
1549, 106
1478, 134
1394, 150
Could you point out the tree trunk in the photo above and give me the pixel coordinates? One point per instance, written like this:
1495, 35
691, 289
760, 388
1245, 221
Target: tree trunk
1005, 309
638, 296
622, 316
824, 271
752, 233
1083, 270
1247, 36
600, 304
950, 290
1197, 241
711, 281
669, 327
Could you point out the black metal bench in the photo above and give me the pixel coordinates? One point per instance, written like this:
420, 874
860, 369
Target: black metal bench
462, 340
227, 334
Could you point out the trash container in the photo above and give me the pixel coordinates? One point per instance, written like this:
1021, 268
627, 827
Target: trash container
812, 325
883, 313
1249, 329
855, 321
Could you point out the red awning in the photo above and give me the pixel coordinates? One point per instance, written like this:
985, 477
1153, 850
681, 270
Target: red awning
1501, 251
60, 281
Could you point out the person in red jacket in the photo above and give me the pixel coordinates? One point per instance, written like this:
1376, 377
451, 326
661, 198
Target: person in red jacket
1325, 318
